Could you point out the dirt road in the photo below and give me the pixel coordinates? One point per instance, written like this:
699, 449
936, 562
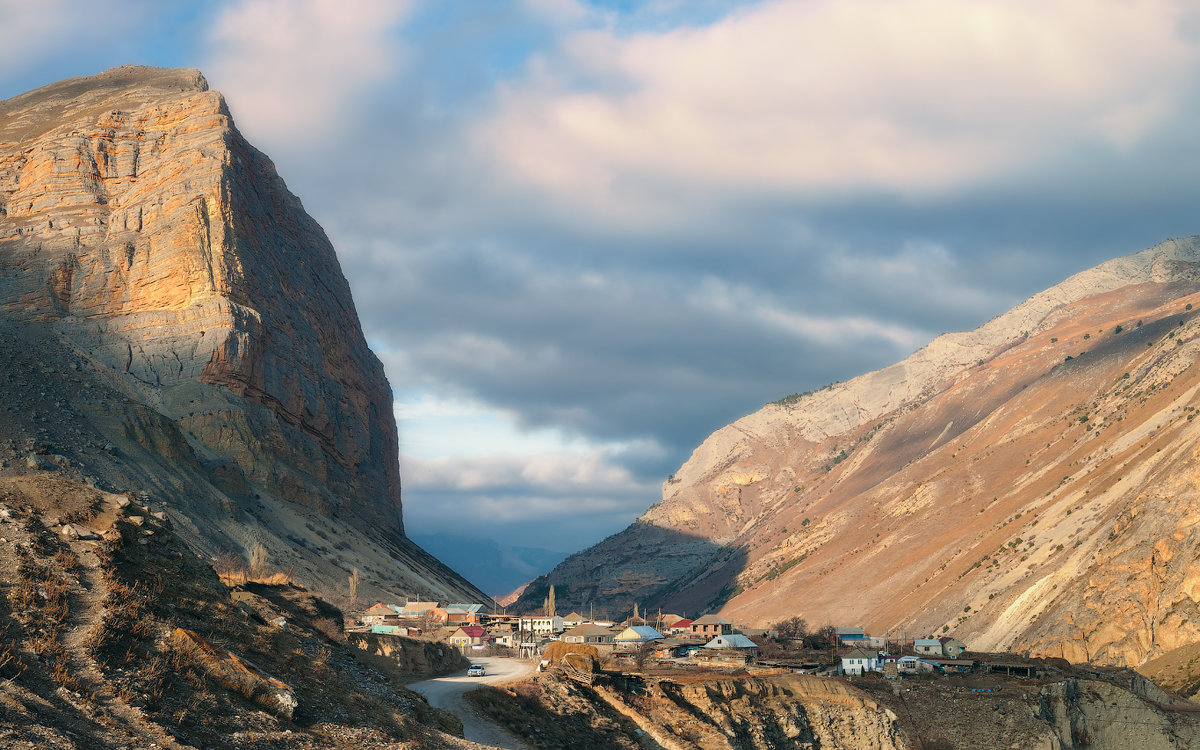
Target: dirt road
446, 693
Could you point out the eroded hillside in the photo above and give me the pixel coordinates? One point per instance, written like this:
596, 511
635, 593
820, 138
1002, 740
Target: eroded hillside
1031, 485
115, 635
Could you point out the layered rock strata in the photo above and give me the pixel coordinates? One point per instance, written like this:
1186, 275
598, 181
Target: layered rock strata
139, 226
139, 223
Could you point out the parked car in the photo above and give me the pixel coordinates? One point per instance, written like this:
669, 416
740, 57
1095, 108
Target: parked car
475, 670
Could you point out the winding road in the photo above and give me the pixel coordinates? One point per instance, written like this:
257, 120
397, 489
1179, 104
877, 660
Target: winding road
447, 693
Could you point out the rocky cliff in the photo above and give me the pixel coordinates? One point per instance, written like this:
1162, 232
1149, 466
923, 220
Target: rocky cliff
1029, 485
164, 251
705, 711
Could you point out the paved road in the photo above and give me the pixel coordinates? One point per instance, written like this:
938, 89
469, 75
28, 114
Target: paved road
446, 692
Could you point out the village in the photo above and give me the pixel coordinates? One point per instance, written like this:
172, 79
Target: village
662, 640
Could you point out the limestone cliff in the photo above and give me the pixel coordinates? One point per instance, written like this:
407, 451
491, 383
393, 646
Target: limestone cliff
1032, 484
139, 226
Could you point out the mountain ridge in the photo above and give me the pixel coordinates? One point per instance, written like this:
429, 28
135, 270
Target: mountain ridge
773, 512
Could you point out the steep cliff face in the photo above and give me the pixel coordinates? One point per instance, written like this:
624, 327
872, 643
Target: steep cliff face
1032, 484
137, 221
141, 229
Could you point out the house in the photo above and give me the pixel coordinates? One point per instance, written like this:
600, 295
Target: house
668, 620
635, 635
456, 614
573, 619
510, 623
839, 632
914, 665
953, 666
674, 648
543, 625
711, 625
860, 661
395, 630
861, 640
952, 647
468, 613
468, 635
417, 609
380, 614
928, 646
733, 642
680, 626
760, 634
589, 633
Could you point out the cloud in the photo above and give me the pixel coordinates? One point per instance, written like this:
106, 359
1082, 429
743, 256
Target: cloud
561, 500
294, 68
906, 95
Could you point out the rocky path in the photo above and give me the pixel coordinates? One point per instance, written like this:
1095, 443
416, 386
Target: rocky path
447, 693
87, 611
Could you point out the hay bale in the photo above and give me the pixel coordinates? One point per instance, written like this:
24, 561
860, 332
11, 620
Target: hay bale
557, 650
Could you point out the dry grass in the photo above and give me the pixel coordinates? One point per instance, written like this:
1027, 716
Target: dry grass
242, 577
329, 628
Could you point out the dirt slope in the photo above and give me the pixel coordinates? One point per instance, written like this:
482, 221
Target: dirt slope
94, 589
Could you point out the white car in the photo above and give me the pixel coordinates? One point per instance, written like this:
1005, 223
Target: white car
475, 670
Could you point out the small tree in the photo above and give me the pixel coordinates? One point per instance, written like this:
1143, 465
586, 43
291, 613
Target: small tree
354, 588
792, 628
258, 560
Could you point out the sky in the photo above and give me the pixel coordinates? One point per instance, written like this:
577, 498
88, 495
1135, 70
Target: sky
582, 236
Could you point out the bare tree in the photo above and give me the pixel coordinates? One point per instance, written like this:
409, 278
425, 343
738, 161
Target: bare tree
791, 628
550, 603
642, 654
354, 588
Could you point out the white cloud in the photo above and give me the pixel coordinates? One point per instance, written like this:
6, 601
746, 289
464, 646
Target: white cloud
820, 95
291, 68
763, 309
564, 472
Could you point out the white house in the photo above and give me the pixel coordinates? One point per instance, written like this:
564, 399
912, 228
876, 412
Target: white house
928, 646
542, 624
860, 661
733, 642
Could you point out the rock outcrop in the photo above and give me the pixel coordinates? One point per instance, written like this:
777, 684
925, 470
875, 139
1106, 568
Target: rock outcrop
164, 251
1029, 485
141, 225
702, 711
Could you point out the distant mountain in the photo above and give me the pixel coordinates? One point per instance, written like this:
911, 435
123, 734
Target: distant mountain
1031, 485
495, 568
